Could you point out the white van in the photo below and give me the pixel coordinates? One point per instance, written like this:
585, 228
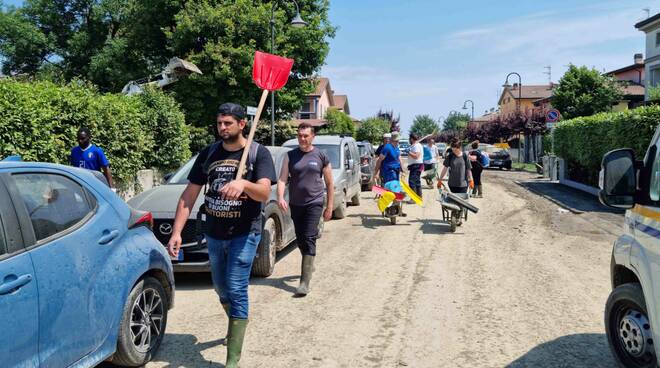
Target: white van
632, 312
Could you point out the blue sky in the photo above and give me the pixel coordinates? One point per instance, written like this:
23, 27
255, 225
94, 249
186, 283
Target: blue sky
428, 56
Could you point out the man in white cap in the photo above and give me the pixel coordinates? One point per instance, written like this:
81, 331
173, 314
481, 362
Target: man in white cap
386, 140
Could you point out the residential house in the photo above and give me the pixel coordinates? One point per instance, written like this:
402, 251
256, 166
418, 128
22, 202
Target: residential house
318, 102
651, 27
632, 78
525, 96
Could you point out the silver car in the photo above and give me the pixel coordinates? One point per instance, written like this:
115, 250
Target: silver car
161, 201
345, 160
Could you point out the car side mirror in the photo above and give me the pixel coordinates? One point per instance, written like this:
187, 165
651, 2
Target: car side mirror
618, 179
168, 176
351, 165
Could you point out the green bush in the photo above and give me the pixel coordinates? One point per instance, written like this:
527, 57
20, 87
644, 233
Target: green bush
338, 122
39, 121
200, 137
583, 141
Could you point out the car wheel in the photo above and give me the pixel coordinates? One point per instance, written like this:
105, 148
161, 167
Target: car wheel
628, 328
143, 324
264, 261
340, 212
355, 201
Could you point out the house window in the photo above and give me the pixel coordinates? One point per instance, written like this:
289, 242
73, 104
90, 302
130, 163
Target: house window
657, 39
655, 76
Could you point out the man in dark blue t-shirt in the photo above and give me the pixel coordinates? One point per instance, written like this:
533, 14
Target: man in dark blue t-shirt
89, 156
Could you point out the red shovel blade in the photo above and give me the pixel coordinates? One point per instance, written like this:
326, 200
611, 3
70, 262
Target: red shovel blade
271, 72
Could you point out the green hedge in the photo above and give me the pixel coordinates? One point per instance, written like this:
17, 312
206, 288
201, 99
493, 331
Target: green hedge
583, 141
39, 121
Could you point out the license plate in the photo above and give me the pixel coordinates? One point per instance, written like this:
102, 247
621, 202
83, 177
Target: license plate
497, 162
179, 257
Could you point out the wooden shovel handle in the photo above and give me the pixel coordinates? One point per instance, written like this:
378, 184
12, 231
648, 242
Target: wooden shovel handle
250, 138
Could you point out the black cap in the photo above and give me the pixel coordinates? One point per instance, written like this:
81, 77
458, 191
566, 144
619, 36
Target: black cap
230, 108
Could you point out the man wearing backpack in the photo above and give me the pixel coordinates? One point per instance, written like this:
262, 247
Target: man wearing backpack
458, 165
478, 160
233, 207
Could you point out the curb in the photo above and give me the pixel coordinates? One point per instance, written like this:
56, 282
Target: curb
560, 204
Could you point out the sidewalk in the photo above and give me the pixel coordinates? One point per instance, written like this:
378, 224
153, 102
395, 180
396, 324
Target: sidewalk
566, 197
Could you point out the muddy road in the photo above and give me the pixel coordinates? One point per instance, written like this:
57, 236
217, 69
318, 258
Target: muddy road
521, 284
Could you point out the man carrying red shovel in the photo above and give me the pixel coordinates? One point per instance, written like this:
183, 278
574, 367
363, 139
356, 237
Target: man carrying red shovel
233, 216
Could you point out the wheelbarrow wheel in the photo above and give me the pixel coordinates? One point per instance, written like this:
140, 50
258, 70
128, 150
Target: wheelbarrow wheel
393, 220
452, 224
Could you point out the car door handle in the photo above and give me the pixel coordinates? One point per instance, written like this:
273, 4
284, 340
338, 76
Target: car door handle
15, 284
108, 236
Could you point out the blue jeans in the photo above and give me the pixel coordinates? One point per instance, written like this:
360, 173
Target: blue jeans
231, 263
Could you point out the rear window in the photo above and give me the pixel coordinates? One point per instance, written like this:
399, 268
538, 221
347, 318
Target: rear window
181, 176
363, 150
332, 151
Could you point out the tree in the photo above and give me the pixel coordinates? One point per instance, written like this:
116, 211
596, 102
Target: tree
584, 92
424, 125
338, 123
111, 42
456, 121
389, 116
284, 131
372, 130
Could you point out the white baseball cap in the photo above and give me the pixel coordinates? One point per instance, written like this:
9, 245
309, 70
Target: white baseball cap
387, 135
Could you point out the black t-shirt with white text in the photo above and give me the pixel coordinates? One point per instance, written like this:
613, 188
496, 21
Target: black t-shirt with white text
226, 218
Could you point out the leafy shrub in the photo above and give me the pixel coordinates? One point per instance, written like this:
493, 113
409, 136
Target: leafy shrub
39, 121
583, 141
372, 130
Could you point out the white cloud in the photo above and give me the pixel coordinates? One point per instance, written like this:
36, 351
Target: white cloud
472, 63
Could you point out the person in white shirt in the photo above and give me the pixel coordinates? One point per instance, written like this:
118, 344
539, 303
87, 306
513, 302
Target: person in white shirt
431, 155
415, 164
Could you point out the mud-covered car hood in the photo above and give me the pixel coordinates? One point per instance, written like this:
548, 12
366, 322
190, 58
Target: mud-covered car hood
161, 201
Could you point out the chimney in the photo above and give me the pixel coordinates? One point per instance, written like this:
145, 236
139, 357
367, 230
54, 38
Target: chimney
639, 58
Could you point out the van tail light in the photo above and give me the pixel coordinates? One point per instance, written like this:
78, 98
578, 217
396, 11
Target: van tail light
140, 218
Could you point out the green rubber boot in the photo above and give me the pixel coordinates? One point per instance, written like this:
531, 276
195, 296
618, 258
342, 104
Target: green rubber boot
305, 275
227, 309
235, 343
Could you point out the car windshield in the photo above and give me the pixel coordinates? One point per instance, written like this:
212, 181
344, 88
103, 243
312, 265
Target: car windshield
332, 151
181, 176
363, 150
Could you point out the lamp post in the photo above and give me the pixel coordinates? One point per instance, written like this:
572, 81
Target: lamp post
507, 85
465, 107
296, 22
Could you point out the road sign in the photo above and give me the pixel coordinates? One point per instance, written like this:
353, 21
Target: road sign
552, 116
251, 110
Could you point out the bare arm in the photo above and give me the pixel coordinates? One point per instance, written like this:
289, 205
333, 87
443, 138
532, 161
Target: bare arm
443, 172
330, 186
379, 162
284, 177
183, 209
259, 191
108, 175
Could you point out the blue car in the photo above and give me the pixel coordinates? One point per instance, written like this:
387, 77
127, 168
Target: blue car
82, 277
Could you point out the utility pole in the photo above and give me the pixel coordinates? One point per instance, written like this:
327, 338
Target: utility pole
548, 72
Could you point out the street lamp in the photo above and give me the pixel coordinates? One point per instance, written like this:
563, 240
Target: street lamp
296, 22
465, 107
507, 85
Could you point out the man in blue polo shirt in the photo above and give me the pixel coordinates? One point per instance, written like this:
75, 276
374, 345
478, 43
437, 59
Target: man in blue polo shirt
89, 156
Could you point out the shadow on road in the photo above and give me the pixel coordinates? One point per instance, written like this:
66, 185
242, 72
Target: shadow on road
278, 283
373, 222
580, 350
567, 196
435, 227
183, 350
